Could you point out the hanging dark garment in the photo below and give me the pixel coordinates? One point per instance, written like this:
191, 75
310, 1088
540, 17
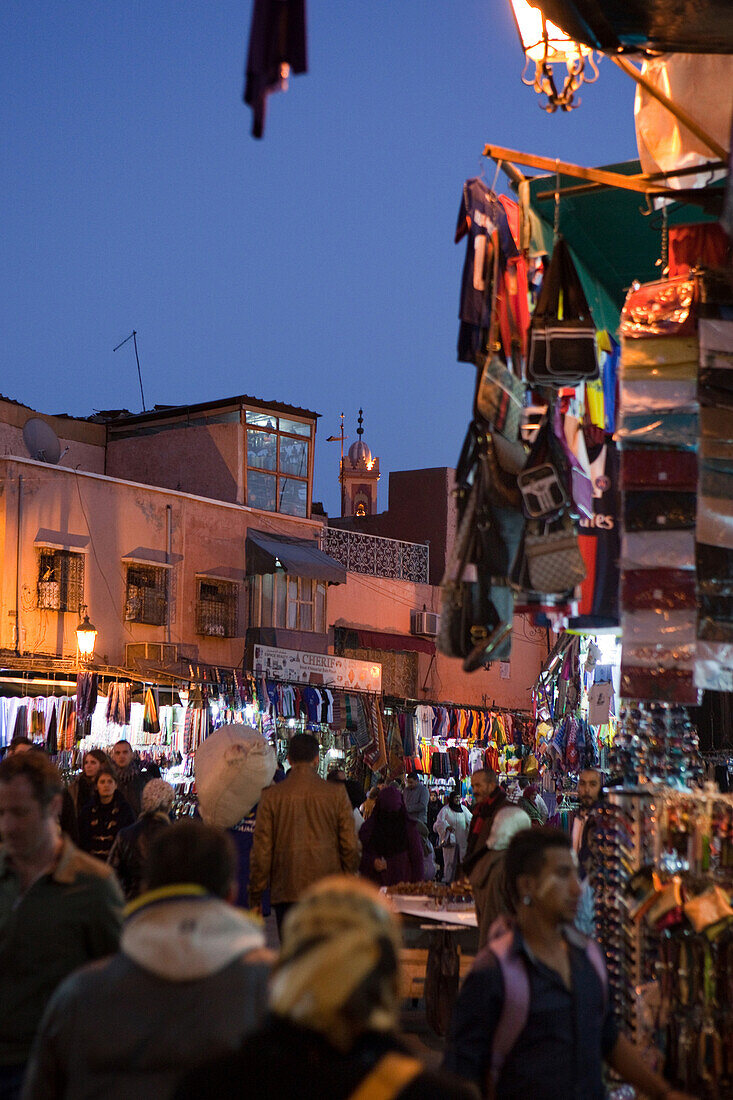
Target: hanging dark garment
20, 729
277, 37
87, 684
119, 704
51, 739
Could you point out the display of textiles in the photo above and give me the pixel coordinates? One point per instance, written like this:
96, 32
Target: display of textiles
87, 685
676, 432
119, 702
151, 724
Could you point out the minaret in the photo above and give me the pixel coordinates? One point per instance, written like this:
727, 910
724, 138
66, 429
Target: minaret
359, 477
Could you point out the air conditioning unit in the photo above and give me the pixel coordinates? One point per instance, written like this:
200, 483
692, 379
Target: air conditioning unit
424, 622
162, 653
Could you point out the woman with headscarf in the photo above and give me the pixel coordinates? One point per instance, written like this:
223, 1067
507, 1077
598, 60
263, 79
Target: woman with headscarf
334, 1005
391, 846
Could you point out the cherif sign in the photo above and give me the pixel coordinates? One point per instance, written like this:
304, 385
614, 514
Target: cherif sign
319, 669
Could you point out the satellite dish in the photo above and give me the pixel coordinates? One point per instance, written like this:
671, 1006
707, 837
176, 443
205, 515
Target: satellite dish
41, 441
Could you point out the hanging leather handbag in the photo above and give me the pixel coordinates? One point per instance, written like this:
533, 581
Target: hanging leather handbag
543, 482
554, 562
500, 485
457, 594
562, 334
500, 393
500, 398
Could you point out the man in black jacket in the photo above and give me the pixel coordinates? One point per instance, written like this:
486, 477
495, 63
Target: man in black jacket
565, 1028
130, 779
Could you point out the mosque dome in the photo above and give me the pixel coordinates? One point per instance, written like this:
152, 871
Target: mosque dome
359, 452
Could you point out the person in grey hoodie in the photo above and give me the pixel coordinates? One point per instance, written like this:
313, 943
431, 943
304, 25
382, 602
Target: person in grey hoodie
188, 983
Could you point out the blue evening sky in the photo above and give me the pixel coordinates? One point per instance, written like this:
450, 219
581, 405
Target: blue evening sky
316, 267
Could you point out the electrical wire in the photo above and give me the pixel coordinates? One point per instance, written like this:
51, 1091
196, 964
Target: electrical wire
96, 555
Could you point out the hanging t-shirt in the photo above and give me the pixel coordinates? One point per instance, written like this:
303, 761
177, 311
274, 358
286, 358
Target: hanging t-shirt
424, 719
479, 215
514, 315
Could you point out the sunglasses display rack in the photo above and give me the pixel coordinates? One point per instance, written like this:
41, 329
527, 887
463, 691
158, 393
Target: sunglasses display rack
620, 840
662, 878
656, 742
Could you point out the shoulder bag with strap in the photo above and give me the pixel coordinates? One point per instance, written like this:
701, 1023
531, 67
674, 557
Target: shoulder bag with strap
392, 1073
500, 393
515, 1008
562, 335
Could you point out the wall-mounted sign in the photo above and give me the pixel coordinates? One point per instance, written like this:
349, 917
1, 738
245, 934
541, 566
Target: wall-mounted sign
319, 669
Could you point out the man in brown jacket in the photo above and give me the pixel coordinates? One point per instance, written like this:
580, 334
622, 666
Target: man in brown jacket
304, 831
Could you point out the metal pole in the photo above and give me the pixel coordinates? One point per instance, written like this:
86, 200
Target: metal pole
17, 566
168, 558
139, 374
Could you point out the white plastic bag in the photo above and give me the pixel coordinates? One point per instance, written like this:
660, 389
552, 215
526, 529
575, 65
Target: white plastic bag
232, 766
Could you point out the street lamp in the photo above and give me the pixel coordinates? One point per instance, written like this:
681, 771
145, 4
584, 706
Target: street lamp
547, 44
86, 636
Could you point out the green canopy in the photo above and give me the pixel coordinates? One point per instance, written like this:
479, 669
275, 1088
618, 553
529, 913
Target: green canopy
611, 234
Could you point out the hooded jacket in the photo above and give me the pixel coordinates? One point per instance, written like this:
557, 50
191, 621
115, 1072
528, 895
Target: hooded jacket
181, 989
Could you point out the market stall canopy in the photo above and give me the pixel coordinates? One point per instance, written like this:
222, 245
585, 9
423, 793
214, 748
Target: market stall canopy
612, 237
266, 553
672, 26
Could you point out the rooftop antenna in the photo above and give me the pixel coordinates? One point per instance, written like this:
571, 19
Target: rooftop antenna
133, 337
340, 439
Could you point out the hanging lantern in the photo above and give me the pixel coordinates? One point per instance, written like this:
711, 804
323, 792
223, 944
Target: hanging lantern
86, 637
546, 45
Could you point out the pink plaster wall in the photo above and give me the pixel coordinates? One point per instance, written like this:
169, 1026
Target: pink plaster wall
122, 519
84, 442
372, 603
205, 461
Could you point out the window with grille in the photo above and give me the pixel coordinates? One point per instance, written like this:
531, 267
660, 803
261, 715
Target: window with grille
216, 608
147, 595
296, 603
60, 580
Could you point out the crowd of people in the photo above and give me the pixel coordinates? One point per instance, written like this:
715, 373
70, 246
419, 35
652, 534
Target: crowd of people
178, 996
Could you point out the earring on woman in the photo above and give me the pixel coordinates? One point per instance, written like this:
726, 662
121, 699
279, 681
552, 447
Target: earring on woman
526, 900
